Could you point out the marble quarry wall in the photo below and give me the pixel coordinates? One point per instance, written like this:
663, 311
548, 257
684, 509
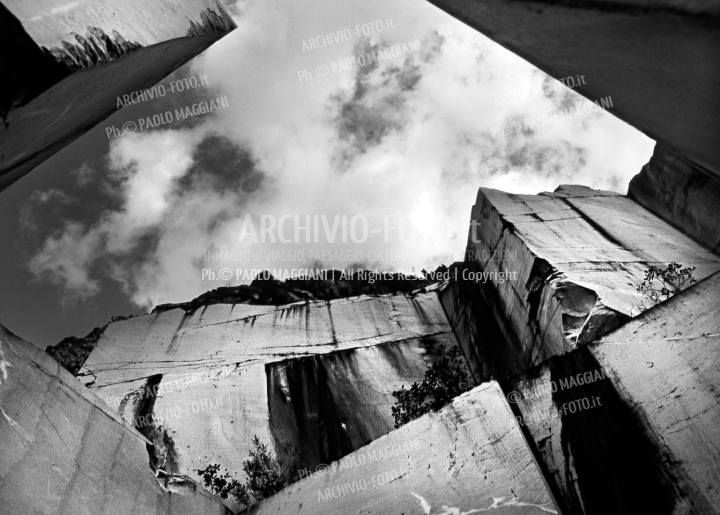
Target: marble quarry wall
64, 65
616, 396
556, 270
682, 194
593, 378
629, 424
329, 405
590, 397
315, 376
64, 451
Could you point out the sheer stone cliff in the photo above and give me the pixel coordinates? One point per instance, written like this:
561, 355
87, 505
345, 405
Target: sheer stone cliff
591, 396
65, 451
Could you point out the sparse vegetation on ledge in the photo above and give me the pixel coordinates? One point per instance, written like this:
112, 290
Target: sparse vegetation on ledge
662, 283
266, 290
444, 381
72, 352
266, 476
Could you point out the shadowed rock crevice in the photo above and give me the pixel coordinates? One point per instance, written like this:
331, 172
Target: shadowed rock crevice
535, 284
598, 452
162, 454
27, 69
300, 400
490, 349
616, 467
328, 406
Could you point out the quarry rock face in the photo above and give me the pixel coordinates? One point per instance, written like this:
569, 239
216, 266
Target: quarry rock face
616, 397
316, 376
244, 335
468, 457
591, 397
65, 66
598, 409
666, 363
630, 424
557, 271
265, 290
682, 194
65, 452
330, 405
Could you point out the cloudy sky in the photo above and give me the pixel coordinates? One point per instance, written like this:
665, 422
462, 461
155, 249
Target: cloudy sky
383, 160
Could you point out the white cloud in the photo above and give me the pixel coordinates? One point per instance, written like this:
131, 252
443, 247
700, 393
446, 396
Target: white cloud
416, 133
65, 258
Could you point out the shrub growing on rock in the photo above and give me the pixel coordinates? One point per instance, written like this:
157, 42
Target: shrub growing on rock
265, 477
444, 381
223, 485
662, 283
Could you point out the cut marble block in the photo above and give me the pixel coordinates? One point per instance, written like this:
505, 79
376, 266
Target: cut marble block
469, 457
630, 424
63, 451
683, 194
561, 269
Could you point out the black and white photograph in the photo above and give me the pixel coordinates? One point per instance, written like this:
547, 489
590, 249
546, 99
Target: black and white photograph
359, 257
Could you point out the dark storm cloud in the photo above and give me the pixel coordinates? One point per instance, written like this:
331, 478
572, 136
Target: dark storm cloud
547, 160
562, 97
93, 192
162, 189
220, 164
521, 152
378, 103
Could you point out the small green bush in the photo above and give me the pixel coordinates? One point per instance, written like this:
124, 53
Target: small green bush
444, 381
222, 485
265, 477
665, 282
